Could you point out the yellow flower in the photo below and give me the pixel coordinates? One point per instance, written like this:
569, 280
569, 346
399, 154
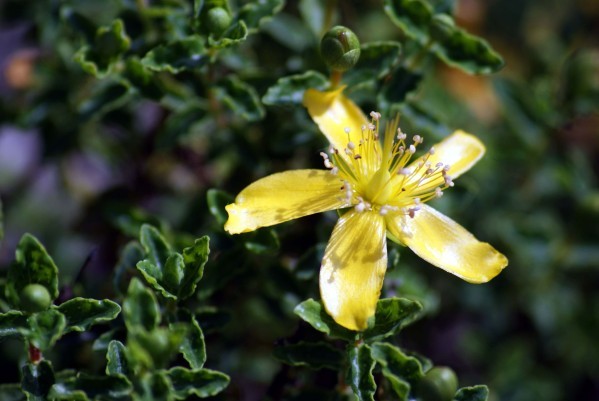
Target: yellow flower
387, 195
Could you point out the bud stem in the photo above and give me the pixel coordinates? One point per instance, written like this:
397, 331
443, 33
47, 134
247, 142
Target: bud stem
335, 78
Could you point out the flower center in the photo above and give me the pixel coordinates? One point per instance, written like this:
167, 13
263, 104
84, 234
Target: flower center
379, 176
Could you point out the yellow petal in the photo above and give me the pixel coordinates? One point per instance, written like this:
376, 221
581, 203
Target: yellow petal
459, 150
353, 268
333, 113
284, 196
444, 243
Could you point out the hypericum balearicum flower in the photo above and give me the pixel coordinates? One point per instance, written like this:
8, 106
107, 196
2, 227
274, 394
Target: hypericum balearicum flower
387, 192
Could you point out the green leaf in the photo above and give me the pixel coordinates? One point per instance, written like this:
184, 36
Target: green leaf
202, 382
193, 346
376, 61
313, 13
313, 312
11, 392
241, 98
86, 386
290, 90
32, 265
81, 313
314, 355
399, 369
12, 323
236, 34
155, 246
467, 52
140, 308
256, 12
217, 200
474, 393
154, 349
182, 55
158, 387
36, 379
109, 44
392, 314
116, 359
45, 328
411, 16
360, 372
195, 258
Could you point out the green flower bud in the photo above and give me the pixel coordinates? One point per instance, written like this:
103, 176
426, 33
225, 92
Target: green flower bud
442, 27
35, 298
217, 20
340, 48
439, 384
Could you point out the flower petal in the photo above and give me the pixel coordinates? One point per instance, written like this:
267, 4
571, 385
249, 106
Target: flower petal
353, 268
333, 113
459, 150
284, 196
444, 243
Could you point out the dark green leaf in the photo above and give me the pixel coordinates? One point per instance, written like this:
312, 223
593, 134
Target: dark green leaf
236, 34
468, 53
81, 313
474, 393
86, 386
217, 200
211, 319
411, 16
241, 98
45, 328
130, 256
261, 242
193, 347
360, 372
399, 369
392, 314
140, 308
376, 61
313, 312
159, 387
102, 342
396, 89
79, 23
313, 13
1, 222
12, 323
314, 355
177, 56
32, 265
195, 257
144, 80
180, 124
116, 359
202, 382
290, 90
106, 97
37, 378
11, 392
254, 13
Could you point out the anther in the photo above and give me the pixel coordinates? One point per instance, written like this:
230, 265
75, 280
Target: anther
400, 135
412, 149
356, 157
438, 192
417, 139
375, 116
404, 171
431, 151
371, 127
351, 145
346, 129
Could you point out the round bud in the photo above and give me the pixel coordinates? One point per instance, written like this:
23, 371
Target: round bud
217, 20
442, 27
439, 384
340, 48
35, 298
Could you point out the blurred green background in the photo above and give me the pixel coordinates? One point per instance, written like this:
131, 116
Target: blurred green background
85, 159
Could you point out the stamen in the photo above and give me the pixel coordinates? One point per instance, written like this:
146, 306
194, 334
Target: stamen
351, 145
417, 139
412, 149
347, 130
438, 192
375, 116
